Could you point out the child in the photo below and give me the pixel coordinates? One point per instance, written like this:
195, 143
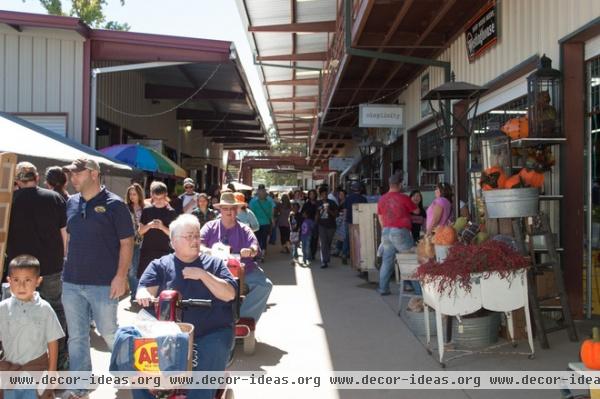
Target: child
29, 328
295, 220
306, 233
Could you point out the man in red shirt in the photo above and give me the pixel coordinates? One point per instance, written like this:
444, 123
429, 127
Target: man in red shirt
394, 209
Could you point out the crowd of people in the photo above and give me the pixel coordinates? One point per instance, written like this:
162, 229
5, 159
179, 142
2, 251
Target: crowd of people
71, 258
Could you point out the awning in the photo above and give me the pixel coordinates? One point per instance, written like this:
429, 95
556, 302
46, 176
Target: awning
27, 139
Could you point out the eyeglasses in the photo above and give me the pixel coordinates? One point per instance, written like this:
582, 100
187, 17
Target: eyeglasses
228, 209
190, 237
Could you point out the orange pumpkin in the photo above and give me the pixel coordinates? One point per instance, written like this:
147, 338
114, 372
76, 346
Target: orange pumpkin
516, 128
590, 350
532, 178
514, 181
493, 177
445, 235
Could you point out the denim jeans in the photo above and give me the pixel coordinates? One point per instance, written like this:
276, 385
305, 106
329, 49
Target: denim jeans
393, 240
133, 269
82, 303
306, 248
325, 239
259, 288
273, 236
346, 244
211, 353
51, 291
20, 394
262, 235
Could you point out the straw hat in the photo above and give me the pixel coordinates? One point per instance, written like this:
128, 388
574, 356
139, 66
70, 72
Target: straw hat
228, 199
240, 198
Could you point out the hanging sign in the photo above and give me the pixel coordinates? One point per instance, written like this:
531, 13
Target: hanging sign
380, 115
482, 31
340, 164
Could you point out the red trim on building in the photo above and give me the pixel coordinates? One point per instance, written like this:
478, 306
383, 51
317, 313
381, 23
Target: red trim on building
44, 21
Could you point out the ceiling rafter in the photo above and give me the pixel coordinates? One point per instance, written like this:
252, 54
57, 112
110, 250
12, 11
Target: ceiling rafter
297, 99
316, 56
302, 27
294, 82
386, 39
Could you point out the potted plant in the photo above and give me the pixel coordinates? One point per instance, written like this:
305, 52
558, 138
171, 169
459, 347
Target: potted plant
472, 277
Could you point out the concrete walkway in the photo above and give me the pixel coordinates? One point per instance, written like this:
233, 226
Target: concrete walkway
331, 319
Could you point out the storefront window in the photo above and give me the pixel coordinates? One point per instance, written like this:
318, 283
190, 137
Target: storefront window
431, 158
593, 122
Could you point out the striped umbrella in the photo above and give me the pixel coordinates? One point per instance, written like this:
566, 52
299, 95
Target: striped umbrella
144, 158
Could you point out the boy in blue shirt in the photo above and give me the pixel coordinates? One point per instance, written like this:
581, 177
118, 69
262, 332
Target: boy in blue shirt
29, 328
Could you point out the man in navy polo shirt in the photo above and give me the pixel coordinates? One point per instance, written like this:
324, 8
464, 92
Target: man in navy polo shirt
100, 248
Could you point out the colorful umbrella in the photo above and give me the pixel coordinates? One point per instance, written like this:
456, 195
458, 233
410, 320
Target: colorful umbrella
144, 158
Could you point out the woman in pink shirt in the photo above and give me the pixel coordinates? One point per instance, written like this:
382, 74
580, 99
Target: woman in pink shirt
439, 212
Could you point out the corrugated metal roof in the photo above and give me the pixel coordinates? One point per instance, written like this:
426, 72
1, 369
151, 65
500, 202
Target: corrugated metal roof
278, 12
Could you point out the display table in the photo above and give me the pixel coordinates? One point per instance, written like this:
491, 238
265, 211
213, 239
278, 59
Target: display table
580, 368
489, 292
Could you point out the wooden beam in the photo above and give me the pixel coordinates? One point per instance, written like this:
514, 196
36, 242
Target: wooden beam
207, 125
316, 56
188, 113
165, 92
292, 129
237, 141
302, 27
304, 111
298, 99
233, 134
293, 82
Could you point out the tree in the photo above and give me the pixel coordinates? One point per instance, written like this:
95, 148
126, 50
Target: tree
89, 11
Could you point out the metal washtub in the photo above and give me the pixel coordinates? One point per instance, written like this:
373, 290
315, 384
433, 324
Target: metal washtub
511, 203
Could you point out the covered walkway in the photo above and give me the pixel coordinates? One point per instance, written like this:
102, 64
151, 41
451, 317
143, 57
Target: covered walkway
331, 319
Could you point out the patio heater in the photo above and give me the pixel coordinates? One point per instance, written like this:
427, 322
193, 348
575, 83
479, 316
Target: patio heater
454, 106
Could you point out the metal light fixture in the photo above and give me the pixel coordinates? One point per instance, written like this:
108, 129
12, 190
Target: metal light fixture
454, 125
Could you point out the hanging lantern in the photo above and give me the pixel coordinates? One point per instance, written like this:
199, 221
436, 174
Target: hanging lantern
544, 101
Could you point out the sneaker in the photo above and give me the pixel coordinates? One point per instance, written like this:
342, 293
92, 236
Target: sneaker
383, 293
344, 260
324, 266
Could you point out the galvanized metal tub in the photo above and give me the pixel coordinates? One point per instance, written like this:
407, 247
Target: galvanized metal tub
511, 203
476, 332
415, 321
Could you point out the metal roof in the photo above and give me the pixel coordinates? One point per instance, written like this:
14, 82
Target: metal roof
293, 105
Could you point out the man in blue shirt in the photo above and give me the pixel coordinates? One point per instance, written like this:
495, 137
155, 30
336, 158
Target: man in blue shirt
100, 248
263, 209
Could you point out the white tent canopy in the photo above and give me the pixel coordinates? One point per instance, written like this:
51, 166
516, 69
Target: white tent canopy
238, 186
24, 138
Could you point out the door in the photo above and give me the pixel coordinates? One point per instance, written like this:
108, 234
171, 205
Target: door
8, 162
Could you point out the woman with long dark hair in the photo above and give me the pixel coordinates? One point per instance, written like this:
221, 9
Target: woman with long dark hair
283, 222
135, 202
418, 219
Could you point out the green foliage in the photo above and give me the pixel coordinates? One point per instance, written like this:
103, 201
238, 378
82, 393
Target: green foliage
273, 179
89, 11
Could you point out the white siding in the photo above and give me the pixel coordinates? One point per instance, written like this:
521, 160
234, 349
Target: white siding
527, 27
41, 71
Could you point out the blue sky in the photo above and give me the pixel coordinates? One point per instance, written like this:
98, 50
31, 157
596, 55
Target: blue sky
207, 19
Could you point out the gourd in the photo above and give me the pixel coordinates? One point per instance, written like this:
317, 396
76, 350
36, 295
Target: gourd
532, 178
590, 350
445, 235
515, 181
516, 128
492, 178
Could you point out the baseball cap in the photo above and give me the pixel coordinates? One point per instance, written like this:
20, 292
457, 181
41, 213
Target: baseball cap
355, 186
81, 164
25, 171
188, 182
